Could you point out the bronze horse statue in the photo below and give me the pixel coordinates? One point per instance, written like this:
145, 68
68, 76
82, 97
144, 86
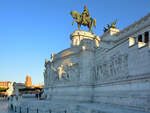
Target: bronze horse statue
79, 19
111, 25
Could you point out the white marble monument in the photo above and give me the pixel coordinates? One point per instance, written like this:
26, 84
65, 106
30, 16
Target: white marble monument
106, 74
113, 69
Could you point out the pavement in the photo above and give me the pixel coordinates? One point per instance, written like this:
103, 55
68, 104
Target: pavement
4, 107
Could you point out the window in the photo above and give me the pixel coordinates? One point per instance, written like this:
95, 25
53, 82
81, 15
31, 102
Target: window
140, 42
140, 38
146, 37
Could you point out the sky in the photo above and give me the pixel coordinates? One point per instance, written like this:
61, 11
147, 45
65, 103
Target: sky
30, 30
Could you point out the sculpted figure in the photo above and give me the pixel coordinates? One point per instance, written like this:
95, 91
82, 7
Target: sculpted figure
52, 57
60, 71
85, 15
53, 73
10, 89
111, 25
105, 29
83, 19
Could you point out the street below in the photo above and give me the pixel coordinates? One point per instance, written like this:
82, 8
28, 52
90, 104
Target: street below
4, 107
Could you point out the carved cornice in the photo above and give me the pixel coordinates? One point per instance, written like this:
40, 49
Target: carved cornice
135, 27
135, 24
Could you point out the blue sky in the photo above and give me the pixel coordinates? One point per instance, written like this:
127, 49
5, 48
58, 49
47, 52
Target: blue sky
30, 30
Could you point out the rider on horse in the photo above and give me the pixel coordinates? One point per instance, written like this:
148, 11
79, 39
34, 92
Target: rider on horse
85, 15
83, 19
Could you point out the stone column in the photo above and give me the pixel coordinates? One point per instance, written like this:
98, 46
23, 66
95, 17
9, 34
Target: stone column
136, 40
143, 38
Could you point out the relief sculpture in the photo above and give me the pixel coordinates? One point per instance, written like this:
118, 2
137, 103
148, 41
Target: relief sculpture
69, 72
114, 68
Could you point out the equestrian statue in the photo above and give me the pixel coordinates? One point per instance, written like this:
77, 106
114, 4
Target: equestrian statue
83, 19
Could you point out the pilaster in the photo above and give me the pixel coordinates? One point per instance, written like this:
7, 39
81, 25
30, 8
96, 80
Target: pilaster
136, 40
143, 38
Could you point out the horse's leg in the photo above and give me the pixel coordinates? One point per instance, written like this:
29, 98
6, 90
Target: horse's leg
88, 25
91, 30
91, 27
79, 27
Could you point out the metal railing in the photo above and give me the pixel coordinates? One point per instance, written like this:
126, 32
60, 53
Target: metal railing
37, 110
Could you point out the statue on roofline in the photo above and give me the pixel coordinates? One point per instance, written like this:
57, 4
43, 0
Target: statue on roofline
112, 25
52, 57
83, 19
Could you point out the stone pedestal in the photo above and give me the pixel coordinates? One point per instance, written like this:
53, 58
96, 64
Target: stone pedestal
88, 43
77, 36
109, 38
110, 33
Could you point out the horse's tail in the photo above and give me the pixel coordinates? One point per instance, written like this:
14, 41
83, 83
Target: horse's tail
94, 22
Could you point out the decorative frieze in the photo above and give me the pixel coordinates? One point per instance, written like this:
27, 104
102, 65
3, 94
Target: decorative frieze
114, 68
